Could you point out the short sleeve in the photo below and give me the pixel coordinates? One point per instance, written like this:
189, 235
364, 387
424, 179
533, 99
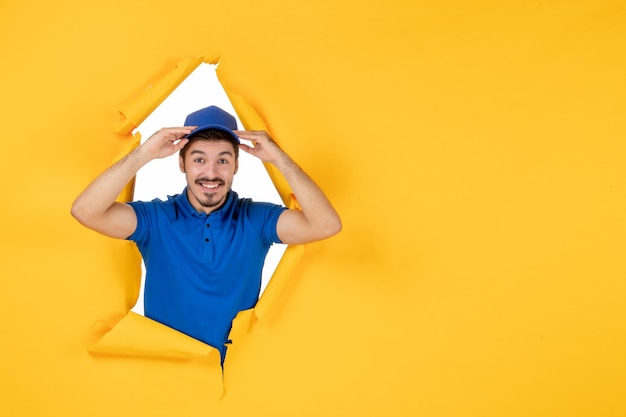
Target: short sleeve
265, 216
141, 233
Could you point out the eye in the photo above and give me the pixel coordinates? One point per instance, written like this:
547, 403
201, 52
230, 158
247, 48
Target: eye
222, 161
198, 160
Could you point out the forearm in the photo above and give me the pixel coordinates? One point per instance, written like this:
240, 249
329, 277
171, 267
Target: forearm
96, 207
318, 219
321, 217
100, 195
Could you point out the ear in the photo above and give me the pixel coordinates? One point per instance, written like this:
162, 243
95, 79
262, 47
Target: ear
181, 163
236, 166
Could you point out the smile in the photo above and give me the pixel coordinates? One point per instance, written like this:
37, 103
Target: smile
209, 184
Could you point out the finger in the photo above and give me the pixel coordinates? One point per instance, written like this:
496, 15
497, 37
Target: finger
182, 128
180, 144
251, 134
246, 148
179, 130
176, 133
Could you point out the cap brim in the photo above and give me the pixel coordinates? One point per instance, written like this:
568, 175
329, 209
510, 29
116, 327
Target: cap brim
218, 127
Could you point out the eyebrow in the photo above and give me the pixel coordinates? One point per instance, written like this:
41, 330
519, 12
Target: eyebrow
198, 151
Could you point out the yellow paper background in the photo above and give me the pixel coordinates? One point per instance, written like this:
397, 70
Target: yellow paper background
475, 151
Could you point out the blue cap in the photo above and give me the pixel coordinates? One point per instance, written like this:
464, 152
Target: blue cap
212, 117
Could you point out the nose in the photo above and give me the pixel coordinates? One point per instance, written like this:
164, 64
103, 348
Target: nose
211, 171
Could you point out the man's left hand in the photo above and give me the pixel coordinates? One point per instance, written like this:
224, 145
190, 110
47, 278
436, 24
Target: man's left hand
263, 146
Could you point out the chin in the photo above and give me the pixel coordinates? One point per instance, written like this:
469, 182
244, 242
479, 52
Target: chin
212, 201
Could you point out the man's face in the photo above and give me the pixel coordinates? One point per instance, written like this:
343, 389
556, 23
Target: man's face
209, 167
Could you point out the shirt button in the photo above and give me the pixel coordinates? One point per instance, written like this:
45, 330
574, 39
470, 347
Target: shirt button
206, 240
208, 225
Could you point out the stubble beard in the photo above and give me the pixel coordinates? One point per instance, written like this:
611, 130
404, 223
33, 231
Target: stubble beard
211, 200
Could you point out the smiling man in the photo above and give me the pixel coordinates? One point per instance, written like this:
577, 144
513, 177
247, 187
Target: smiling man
204, 249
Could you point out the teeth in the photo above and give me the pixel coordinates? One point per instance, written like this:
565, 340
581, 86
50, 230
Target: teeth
210, 186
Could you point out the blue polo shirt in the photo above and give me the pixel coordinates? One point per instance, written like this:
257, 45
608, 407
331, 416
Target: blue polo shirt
202, 270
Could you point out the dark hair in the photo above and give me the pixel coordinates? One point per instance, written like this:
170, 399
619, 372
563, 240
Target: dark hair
211, 135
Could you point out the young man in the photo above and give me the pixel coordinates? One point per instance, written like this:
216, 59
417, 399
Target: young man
204, 249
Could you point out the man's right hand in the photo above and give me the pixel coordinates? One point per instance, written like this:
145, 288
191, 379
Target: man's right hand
165, 142
96, 207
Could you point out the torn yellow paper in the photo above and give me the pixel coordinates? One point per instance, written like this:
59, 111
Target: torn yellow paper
157, 341
251, 120
154, 95
475, 151
136, 335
